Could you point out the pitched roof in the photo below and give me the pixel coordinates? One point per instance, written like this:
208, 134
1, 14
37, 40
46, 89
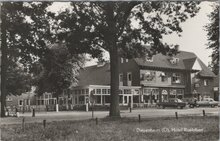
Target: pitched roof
94, 75
186, 61
205, 72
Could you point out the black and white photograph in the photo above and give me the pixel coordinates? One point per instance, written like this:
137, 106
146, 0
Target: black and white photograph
109, 70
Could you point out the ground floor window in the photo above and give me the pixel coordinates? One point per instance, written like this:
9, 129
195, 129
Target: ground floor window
136, 98
146, 98
81, 99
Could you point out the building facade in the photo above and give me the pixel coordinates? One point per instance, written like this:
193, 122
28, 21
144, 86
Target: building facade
142, 82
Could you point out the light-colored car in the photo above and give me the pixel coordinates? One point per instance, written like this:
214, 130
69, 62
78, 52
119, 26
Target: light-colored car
207, 102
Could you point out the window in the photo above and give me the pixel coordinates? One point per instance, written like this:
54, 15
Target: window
163, 77
120, 77
205, 82
20, 102
27, 101
148, 76
174, 60
109, 91
87, 91
98, 91
126, 60
176, 78
122, 60
83, 91
129, 76
149, 59
104, 91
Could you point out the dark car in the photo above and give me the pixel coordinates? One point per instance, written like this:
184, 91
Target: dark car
176, 103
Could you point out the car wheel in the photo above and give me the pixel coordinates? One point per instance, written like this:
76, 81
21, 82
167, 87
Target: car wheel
163, 107
178, 107
181, 107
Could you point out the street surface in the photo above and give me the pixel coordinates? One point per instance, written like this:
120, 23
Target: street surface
81, 115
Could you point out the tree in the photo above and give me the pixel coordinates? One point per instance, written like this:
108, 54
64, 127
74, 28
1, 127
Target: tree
123, 29
213, 37
18, 81
24, 34
57, 71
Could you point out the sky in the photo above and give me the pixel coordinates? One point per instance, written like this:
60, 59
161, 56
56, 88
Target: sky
193, 37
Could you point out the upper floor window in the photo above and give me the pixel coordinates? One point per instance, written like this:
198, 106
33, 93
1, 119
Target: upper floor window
129, 76
120, 77
176, 78
205, 82
122, 60
174, 60
148, 76
163, 77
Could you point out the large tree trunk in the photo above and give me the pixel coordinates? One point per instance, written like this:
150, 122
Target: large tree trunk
114, 68
3, 61
110, 38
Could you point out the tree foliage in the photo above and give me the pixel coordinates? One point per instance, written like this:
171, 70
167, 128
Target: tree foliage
123, 29
213, 37
57, 71
24, 35
18, 81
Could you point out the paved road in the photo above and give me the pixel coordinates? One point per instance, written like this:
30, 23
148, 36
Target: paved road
74, 115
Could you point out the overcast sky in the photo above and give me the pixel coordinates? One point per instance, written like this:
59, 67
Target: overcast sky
193, 37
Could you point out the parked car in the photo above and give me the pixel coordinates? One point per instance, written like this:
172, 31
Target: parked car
192, 103
175, 102
207, 102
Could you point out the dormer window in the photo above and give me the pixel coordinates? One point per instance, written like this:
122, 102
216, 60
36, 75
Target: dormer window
174, 60
149, 59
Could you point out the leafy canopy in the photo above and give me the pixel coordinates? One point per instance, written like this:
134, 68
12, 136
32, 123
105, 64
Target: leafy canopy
88, 26
213, 37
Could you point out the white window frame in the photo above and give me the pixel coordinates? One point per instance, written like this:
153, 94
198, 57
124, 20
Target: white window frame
122, 60
128, 76
177, 75
121, 79
205, 82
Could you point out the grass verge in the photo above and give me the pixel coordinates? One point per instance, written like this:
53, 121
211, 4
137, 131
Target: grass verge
125, 129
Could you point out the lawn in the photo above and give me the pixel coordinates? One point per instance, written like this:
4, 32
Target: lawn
125, 129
